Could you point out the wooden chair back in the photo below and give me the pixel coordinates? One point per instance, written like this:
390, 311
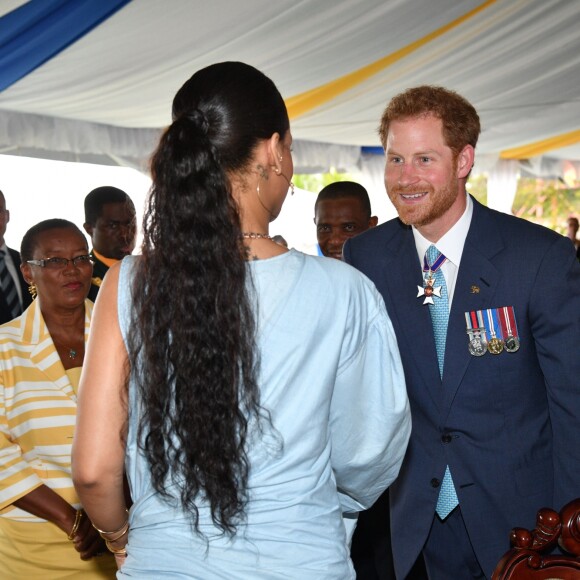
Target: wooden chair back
525, 561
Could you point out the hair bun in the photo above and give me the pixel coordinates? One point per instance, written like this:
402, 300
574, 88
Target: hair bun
197, 118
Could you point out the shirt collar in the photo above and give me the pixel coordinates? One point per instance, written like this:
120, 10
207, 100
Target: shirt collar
107, 261
451, 244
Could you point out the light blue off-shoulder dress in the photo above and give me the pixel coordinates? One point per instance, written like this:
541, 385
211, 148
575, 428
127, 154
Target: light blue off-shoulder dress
331, 377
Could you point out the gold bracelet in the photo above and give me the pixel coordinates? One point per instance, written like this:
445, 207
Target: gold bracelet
118, 534
122, 528
116, 551
75, 528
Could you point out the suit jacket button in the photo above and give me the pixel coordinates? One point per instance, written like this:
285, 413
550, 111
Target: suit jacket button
435, 482
446, 438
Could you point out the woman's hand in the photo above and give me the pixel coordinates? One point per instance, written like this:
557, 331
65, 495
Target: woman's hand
118, 548
46, 504
120, 559
87, 540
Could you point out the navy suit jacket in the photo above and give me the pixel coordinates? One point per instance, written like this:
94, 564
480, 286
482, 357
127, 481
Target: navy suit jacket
5, 315
508, 425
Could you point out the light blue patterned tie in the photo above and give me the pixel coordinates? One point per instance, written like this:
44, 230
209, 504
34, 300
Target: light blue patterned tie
439, 311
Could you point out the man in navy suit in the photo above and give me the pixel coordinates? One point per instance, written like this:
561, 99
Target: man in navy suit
495, 399
11, 305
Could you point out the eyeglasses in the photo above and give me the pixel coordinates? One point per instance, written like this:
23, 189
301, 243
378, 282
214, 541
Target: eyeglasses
61, 263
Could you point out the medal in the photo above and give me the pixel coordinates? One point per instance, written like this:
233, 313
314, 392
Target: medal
429, 289
477, 345
495, 345
493, 329
481, 325
512, 343
510, 331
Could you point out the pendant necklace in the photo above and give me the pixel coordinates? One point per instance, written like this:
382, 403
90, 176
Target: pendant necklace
72, 352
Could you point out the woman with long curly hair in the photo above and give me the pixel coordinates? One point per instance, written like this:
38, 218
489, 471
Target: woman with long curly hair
252, 394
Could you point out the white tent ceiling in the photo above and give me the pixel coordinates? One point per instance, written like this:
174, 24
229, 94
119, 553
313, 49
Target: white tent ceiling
336, 62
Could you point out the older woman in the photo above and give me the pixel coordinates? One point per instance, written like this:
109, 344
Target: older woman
44, 533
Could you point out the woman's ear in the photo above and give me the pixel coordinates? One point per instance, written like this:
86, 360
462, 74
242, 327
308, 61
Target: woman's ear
275, 153
26, 273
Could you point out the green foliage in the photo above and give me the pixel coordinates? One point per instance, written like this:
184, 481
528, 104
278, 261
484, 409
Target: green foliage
477, 186
548, 202
316, 181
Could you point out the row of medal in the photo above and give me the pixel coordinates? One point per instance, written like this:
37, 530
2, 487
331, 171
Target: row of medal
493, 330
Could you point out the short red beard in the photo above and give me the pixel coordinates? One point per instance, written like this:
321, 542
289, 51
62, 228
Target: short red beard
423, 214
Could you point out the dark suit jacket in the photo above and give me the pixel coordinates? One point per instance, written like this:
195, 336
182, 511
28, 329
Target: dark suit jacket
513, 418
99, 271
5, 315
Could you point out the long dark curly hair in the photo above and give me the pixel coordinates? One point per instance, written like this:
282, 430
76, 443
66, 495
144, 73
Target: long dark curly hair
192, 344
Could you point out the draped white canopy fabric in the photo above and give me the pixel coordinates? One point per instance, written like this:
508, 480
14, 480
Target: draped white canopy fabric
105, 97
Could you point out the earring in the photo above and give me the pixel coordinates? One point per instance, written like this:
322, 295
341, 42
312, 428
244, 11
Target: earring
277, 170
280, 159
32, 290
260, 198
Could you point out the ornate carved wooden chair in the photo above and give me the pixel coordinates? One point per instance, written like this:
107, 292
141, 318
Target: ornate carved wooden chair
525, 560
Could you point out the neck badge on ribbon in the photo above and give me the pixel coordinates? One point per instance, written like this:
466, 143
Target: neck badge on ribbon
429, 289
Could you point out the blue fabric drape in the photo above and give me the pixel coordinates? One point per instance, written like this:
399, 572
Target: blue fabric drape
40, 29
373, 150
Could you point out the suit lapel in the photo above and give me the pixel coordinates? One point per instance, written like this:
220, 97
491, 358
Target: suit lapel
401, 275
26, 298
477, 280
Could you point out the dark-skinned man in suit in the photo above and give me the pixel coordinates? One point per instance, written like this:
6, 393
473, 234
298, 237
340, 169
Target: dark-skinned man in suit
14, 294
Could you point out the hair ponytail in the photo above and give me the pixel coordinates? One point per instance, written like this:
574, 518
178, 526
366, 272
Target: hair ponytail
192, 344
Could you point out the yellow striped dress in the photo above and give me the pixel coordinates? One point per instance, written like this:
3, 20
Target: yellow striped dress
37, 420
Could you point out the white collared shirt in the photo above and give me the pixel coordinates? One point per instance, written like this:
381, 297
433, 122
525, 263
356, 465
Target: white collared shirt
450, 245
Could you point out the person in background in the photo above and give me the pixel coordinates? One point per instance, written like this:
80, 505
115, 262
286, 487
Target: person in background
44, 533
342, 210
486, 308
14, 296
573, 232
110, 222
266, 397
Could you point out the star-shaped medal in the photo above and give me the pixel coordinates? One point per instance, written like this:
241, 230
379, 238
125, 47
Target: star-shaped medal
429, 291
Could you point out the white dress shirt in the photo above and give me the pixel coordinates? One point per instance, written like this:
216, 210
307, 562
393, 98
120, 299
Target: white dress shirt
450, 245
